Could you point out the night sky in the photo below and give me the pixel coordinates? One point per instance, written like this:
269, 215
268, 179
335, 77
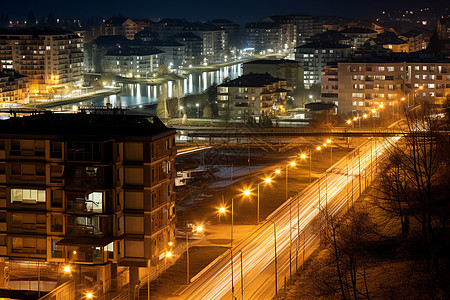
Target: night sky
236, 10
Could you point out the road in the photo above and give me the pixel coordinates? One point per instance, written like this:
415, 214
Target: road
290, 229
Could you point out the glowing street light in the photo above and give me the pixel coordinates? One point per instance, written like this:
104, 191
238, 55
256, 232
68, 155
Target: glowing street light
318, 148
89, 295
199, 228
222, 210
277, 171
303, 156
365, 116
169, 254
170, 244
67, 269
349, 122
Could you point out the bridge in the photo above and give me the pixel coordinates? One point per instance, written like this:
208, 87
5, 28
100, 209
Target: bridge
277, 139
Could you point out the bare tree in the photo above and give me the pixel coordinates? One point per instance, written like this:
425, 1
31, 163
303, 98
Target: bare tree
414, 185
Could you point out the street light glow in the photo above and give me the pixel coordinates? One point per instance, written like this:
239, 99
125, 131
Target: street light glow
277, 171
222, 210
67, 269
365, 116
89, 295
318, 148
349, 121
199, 228
292, 163
329, 141
381, 105
170, 243
303, 156
247, 192
374, 111
267, 180
168, 254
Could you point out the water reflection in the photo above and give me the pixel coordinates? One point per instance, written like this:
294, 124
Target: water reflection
195, 83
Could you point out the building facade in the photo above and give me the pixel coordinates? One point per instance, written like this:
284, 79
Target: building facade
313, 57
129, 62
364, 84
13, 90
49, 57
93, 191
251, 95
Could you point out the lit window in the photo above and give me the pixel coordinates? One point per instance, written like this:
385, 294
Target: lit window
27, 196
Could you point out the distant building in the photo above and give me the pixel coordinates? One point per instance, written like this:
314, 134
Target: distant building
251, 95
233, 33
443, 28
330, 36
313, 57
49, 57
358, 35
288, 32
133, 62
13, 89
306, 27
166, 28
286, 69
415, 39
93, 191
95, 51
119, 26
214, 41
174, 52
145, 24
264, 38
365, 83
391, 41
193, 47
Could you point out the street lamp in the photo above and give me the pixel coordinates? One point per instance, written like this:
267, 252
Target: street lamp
180, 111
89, 295
198, 110
247, 193
303, 156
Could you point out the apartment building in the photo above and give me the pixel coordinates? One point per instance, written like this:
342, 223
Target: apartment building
13, 90
120, 26
193, 47
264, 37
214, 41
251, 95
93, 191
288, 31
133, 62
365, 83
49, 57
313, 57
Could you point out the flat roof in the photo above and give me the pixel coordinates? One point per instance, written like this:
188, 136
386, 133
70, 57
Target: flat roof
84, 126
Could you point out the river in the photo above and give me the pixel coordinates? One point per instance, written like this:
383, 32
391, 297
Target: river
136, 95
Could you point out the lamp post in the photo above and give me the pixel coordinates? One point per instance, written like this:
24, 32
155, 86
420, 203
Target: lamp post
180, 111
331, 151
248, 192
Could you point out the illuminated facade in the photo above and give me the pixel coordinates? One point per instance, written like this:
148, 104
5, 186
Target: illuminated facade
364, 84
251, 95
49, 57
13, 89
93, 191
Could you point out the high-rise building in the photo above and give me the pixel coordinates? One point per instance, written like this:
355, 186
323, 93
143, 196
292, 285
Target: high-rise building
313, 57
94, 191
47, 56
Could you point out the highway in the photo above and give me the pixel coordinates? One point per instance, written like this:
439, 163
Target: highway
251, 270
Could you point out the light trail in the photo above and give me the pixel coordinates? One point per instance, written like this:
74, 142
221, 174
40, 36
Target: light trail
333, 191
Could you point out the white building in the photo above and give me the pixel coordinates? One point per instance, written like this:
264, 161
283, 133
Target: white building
139, 62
